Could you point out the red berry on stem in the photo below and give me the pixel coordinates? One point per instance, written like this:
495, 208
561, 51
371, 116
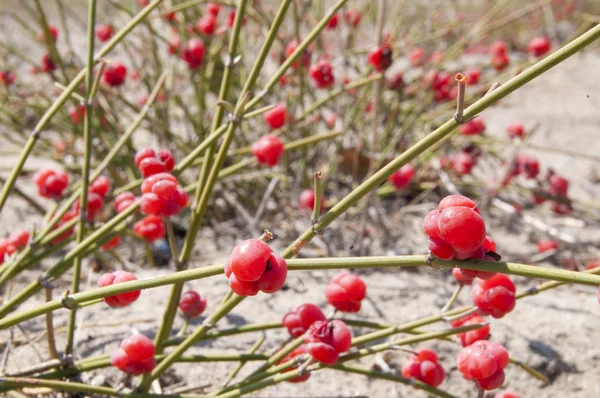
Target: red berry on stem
468, 338
462, 228
494, 296
268, 149
293, 356
51, 183
424, 367
7, 77
380, 58
274, 276
402, 177
48, 64
213, 8
191, 304
539, 46
100, 186
111, 244
352, 17
123, 299
300, 318
123, 200
19, 239
333, 22
500, 61
558, 185
276, 117
206, 24
248, 260
472, 127
322, 74
515, 130
114, 74
135, 355
326, 340
150, 228
482, 360
307, 200
345, 292
193, 53
104, 32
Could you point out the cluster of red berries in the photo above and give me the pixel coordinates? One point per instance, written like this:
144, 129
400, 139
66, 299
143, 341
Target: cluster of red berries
104, 32
193, 53
7, 77
276, 117
499, 52
440, 83
123, 200
150, 228
252, 266
151, 162
515, 130
97, 192
122, 299
135, 355
301, 318
326, 340
114, 74
472, 127
402, 177
322, 74
483, 362
51, 183
162, 195
268, 149
295, 355
424, 366
494, 296
525, 165
304, 59
380, 57
191, 304
345, 292
468, 338
539, 46
16, 241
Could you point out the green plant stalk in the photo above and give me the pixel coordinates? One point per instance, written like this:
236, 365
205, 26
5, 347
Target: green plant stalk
318, 180
222, 311
239, 367
293, 145
59, 102
441, 133
85, 168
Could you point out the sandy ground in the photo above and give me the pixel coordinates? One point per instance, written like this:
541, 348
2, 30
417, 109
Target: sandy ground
554, 332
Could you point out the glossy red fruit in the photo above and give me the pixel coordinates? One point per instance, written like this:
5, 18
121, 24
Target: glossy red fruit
558, 185
276, 117
191, 304
123, 200
150, 162
206, 25
466, 278
100, 186
248, 260
474, 74
326, 340
135, 355
300, 318
495, 296
53, 32
268, 149
48, 64
19, 239
507, 394
416, 57
472, 127
298, 352
274, 276
94, 205
7, 249
114, 74
484, 362
352, 17
304, 58
470, 337
7, 77
515, 130
424, 367
345, 292
463, 163
544, 245
462, 228
402, 177
500, 62
123, 299
458, 200
213, 8
51, 183
162, 196
307, 200
193, 53
380, 58
539, 46
322, 74
104, 32
332, 23
499, 48
150, 228
111, 244
528, 165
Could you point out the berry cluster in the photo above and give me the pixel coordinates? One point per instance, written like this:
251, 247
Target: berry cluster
494, 296
326, 340
276, 117
51, 183
97, 192
499, 52
115, 74
193, 53
539, 46
162, 196
191, 304
15, 242
483, 362
380, 58
135, 355
322, 74
303, 60
252, 266
150, 228
468, 338
150, 162
268, 149
515, 130
402, 177
301, 318
345, 292
424, 366
123, 200
103, 32
123, 299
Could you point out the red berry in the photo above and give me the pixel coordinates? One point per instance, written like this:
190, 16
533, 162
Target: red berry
539, 46
458, 200
300, 318
213, 8
561, 208
103, 32
472, 127
111, 244
515, 130
474, 75
326, 340
500, 62
115, 74
248, 260
380, 58
544, 245
402, 177
206, 24
293, 356
51, 183
193, 53
416, 57
7, 249
123, 299
48, 64
274, 276
491, 383
495, 296
558, 186
191, 304
100, 186
424, 367
482, 360
528, 165
231, 19
352, 17
7, 77
322, 74
123, 200
268, 149
307, 200
463, 276
150, 228
489, 244
174, 42
332, 23
345, 292
135, 355
276, 117
19, 239
462, 228
468, 338
69, 215
77, 113
507, 394
440, 249
463, 163
499, 48
242, 288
